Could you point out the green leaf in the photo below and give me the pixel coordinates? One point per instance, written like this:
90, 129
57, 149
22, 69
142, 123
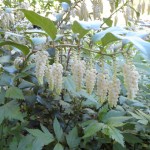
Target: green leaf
108, 38
39, 40
31, 31
58, 146
73, 139
143, 114
90, 25
46, 24
26, 142
115, 118
5, 59
13, 144
141, 119
129, 136
14, 93
117, 146
112, 113
137, 116
41, 138
108, 21
117, 121
25, 84
115, 33
10, 111
116, 135
5, 79
92, 129
21, 47
114, 30
102, 112
58, 130
140, 44
70, 86
77, 28
67, 1
2, 96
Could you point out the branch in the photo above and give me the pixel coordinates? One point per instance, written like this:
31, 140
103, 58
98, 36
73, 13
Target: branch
114, 13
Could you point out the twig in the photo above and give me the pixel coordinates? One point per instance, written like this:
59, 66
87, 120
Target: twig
113, 14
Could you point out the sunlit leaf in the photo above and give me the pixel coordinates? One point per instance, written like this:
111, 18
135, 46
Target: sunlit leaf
77, 28
46, 24
21, 47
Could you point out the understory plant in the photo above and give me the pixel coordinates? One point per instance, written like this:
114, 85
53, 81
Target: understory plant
73, 79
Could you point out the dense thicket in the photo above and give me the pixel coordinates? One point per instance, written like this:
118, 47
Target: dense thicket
74, 75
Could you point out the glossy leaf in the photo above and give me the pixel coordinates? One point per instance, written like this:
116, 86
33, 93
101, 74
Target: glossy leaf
46, 24
114, 30
21, 47
108, 21
108, 38
77, 28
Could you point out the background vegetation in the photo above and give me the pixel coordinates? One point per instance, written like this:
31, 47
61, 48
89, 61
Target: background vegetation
104, 35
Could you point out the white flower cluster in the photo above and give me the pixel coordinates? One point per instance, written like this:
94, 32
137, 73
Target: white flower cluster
90, 80
131, 77
113, 92
102, 86
58, 77
24, 5
49, 76
7, 19
53, 73
97, 8
128, 14
78, 70
143, 6
83, 12
139, 7
112, 5
18, 62
148, 9
41, 60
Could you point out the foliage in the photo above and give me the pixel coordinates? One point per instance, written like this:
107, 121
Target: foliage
51, 54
